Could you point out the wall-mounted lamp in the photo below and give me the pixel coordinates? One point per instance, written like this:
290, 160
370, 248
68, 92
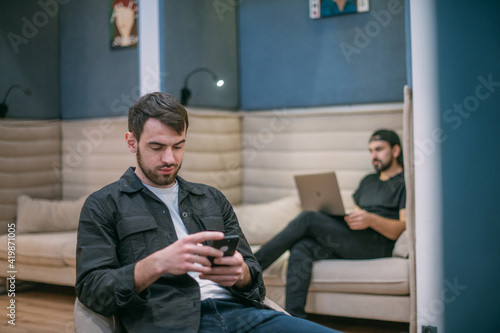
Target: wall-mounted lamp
186, 93
3, 106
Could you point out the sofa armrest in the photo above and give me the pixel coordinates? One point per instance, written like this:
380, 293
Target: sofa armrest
88, 321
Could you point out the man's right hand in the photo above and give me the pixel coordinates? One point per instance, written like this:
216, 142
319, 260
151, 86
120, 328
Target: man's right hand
185, 255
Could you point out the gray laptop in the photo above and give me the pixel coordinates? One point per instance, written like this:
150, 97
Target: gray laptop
320, 192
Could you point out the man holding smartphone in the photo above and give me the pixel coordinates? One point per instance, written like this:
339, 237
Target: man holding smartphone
142, 252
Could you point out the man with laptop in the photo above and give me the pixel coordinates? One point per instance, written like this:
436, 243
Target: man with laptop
323, 231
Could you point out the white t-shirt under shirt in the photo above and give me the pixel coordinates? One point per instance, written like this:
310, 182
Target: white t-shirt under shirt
169, 195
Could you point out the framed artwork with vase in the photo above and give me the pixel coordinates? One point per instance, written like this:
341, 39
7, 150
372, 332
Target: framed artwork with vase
123, 24
328, 8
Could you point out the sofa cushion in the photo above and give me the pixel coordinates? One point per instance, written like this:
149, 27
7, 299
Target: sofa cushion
372, 276
45, 249
42, 215
260, 222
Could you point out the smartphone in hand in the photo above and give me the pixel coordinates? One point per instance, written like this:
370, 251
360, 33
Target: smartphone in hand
228, 245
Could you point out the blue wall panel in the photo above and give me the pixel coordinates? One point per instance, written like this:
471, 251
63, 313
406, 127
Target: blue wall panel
29, 56
200, 34
269, 53
289, 60
95, 80
469, 90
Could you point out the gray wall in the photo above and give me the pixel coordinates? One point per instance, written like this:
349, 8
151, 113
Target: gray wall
29, 56
289, 60
198, 34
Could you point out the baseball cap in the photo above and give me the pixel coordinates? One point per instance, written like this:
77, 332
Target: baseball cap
386, 135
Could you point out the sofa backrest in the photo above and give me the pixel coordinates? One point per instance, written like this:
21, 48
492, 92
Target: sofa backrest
213, 151
279, 144
30, 157
250, 156
94, 152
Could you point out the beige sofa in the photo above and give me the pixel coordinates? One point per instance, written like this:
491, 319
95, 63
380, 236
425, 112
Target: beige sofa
250, 156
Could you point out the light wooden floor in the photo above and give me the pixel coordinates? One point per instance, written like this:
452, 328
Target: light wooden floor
39, 308
44, 308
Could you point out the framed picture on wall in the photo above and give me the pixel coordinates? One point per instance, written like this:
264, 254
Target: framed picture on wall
123, 24
328, 8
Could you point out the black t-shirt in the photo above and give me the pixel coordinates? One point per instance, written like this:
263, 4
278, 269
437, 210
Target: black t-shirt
384, 198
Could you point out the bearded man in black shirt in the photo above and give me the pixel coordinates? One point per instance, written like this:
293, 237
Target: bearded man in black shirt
370, 231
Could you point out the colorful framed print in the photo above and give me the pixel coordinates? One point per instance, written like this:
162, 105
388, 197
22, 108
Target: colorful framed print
123, 24
328, 8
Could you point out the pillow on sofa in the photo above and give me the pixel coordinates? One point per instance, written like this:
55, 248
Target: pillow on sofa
260, 222
42, 215
401, 246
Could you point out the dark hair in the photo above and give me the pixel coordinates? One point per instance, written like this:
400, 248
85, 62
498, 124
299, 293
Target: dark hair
391, 137
161, 106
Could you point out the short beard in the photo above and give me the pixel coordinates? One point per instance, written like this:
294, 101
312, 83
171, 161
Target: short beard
159, 180
382, 167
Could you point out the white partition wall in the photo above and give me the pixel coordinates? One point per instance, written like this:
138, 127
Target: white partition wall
428, 205
149, 46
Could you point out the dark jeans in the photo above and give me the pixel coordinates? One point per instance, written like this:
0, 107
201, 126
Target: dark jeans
315, 236
228, 317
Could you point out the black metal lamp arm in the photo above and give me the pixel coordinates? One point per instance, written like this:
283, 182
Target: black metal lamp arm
201, 69
185, 92
3, 106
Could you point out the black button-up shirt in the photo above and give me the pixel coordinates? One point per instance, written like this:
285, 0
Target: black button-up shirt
123, 223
